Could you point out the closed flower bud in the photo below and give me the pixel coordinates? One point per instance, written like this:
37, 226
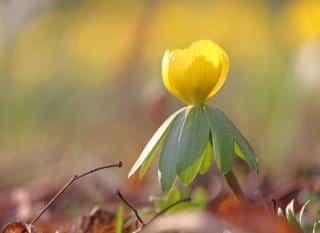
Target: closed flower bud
195, 74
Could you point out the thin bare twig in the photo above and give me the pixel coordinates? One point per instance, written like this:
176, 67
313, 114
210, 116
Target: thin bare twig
168, 208
67, 185
136, 213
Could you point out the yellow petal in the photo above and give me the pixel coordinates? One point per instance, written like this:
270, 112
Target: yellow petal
174, 68
165, 73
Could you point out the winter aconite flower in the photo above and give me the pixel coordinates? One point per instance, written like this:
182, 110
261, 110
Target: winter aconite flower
188, 139
195, 74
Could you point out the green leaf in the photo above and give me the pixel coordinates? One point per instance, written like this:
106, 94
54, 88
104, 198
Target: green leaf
207, 159
193, 138
188, 175
241, 146
119, 219
222, 139
238, 151
170, 198
147, 163
168, 155
154, 142
173, 196
202, 165
200, 198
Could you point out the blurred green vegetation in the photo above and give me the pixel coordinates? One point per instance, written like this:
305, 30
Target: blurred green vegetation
80, 81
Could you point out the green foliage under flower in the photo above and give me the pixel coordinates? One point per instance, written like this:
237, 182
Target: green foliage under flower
189, 140
199, 200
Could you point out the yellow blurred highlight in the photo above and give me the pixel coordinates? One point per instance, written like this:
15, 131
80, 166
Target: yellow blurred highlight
94, 38
85, 40
99, 41
241, 28
302, 19
1, 54
36, 57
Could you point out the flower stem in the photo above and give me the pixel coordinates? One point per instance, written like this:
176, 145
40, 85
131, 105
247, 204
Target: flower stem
234, 185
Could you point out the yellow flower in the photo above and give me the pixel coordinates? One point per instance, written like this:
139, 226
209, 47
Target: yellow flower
195, 74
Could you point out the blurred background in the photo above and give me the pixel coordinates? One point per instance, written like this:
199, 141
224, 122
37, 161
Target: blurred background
80, 80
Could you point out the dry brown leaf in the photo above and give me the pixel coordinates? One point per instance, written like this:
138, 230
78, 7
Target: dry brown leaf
250, 217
